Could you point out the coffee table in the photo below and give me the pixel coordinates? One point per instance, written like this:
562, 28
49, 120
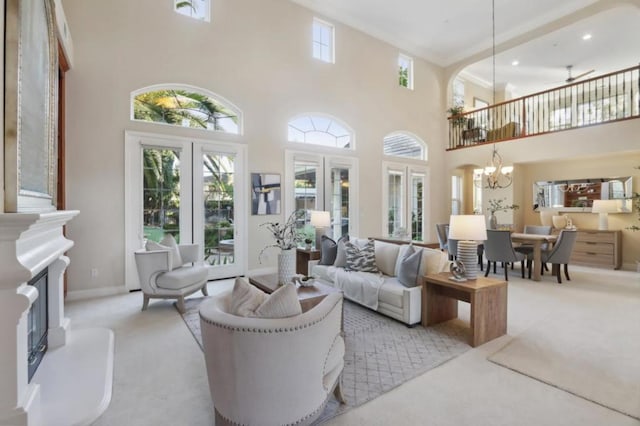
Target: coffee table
308, 296
487, 296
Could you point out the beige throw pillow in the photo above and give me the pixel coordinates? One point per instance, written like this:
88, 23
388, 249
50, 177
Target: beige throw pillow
245, 298
281, 303
170, 242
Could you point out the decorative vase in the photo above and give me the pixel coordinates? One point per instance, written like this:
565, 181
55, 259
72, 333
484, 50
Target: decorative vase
286, 266
493, 221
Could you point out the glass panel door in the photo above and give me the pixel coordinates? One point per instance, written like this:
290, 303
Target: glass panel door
161, 193
339, 201
417, 203
395, 214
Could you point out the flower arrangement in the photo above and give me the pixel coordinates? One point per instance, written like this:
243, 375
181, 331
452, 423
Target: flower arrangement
496, 205
285, 234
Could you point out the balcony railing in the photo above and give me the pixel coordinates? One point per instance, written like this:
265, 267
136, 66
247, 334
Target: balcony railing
611, 97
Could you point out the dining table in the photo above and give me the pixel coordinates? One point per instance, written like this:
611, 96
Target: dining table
536, 240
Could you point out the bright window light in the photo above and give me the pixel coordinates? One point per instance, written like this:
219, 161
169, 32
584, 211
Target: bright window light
323, 41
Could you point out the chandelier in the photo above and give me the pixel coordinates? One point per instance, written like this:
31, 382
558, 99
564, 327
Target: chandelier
496, 174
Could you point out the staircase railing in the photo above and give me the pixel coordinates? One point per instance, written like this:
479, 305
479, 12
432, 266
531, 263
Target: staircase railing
603, 99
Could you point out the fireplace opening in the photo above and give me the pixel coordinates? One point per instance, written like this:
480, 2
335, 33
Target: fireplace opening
38, 323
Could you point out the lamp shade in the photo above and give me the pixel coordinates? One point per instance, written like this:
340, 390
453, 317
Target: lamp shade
320, 219
605, 206
467, 227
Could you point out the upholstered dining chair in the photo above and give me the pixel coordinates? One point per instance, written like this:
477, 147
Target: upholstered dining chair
499, 248
442, 230
560, 254
527, 249
161, 278
269, 372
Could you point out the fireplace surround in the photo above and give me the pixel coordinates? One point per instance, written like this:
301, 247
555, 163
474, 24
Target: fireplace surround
29, 244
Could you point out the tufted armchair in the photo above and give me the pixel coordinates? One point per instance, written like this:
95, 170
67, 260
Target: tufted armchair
159, 278
272, 371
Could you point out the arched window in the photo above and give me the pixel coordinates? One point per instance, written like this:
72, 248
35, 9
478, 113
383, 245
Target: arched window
404, 144
185, 106
320, 130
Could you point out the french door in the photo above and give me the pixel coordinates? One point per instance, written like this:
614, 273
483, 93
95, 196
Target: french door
323, 182
403, 201
191, 189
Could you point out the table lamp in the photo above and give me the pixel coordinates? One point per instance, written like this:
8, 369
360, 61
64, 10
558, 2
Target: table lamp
320, 220
468, 230
604, 207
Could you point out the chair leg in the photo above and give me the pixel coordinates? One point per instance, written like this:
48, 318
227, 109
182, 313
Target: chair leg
522, 267
566, 271
486, 273
337, 392
180, 304
506, 272
481, 263
494, 267
205, 290
145, 302
529, 266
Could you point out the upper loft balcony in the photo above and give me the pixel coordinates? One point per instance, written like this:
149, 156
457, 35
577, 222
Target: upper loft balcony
604, 99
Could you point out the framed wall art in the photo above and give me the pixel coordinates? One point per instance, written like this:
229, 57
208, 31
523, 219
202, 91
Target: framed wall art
266, 196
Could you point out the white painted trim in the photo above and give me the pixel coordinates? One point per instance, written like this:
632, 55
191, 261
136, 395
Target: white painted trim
93, 293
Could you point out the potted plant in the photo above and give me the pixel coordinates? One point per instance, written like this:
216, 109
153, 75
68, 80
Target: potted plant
307, 243
457, 118
496, 205
286, 237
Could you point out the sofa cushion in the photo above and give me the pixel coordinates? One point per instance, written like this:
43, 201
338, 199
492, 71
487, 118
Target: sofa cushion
182, 277
328, 251
245, 298
282, 303
391, 292
433, 261
409, 270
361, 259
386, 257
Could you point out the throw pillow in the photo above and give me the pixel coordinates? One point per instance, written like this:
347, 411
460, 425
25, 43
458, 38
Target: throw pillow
386, 255
410, 267
170, 242
282, 303
245, 298
341, 256
328, 251
361, 259
153, 246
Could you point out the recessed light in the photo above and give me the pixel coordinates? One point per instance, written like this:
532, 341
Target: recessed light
586, 36
515, 63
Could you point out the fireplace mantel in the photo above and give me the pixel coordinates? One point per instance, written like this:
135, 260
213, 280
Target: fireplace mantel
29, 243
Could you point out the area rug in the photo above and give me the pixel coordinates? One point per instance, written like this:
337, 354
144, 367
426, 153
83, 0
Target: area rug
381, 353
593, 356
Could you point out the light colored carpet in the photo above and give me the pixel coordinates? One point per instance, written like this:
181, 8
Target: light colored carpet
593, 354
380, 353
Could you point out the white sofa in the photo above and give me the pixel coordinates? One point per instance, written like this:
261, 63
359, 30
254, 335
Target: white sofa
393, 298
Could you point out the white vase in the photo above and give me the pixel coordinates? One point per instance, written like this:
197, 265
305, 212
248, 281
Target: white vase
286, 266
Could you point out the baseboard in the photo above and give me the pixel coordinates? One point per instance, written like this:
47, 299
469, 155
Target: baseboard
97, 292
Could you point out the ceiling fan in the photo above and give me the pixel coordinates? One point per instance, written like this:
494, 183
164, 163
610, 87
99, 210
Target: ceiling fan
571, 79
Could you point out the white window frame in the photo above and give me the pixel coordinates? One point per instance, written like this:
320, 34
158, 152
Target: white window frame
352, 136
322, 25
204, 16
409, 60
408, 172
323, 193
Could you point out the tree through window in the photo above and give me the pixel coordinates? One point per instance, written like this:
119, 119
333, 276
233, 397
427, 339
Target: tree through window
185, 107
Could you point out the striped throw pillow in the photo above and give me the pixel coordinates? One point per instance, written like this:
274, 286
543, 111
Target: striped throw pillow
361, 259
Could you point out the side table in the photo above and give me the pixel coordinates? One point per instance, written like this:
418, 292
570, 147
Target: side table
303, 256
487, 296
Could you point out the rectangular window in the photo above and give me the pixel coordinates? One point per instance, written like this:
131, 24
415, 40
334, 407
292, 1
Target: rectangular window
456, 195
417, 201
395, 202
197, 9
405, 71
477, 190
458, 92
323, 41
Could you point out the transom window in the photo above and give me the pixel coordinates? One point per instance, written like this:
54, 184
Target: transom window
185, 106
405, 71
320, 130
197, 9
323, 41
402, 144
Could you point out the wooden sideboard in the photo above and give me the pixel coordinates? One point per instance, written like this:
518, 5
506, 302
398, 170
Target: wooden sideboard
601, 249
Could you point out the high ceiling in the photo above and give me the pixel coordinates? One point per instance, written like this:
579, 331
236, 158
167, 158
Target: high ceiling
543, 35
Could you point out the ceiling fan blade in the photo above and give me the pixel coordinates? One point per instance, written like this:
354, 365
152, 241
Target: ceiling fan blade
584, 74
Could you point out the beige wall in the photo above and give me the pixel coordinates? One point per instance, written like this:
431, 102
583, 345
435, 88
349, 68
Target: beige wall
257, 54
